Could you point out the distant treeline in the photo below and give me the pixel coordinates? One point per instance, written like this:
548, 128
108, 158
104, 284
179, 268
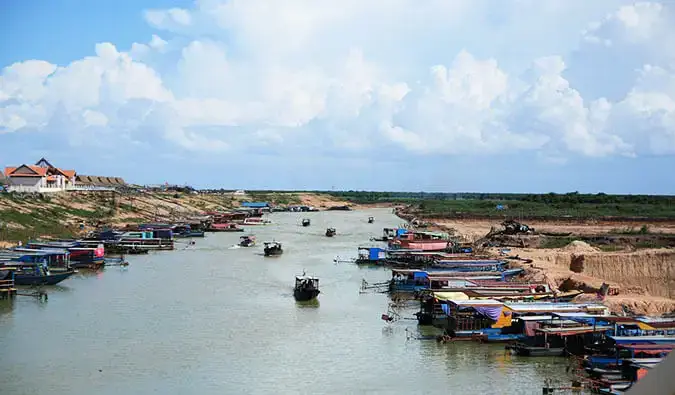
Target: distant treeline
549, 198
550, 205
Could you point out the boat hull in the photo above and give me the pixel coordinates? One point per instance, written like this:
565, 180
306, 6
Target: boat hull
51, 279
273, 252
302, 295
527, 351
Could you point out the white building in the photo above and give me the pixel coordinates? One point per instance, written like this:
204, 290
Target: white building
41, 177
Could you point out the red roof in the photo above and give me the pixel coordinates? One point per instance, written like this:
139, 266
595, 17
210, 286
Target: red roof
67, 173
39, 171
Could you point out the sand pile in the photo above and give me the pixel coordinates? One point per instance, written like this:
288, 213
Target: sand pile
579, 247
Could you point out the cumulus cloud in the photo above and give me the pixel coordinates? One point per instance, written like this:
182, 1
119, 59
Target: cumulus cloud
436, 77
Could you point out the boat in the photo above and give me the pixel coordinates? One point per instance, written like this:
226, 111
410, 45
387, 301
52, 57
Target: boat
306, 222
35, 273
227, 227
306, 288
79, 255
273, 248
247, 241
371, 220
330, 232
256, 221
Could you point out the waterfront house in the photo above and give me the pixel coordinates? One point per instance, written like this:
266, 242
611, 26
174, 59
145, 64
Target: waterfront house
40, 177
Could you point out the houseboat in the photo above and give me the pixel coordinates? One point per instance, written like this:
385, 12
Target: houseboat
186, 231
306, 288
306, 222
247, 241
330, 232
79, 256
57, 259
645, 354
273, 248
411, 280
464, 317
31, 268
390, 234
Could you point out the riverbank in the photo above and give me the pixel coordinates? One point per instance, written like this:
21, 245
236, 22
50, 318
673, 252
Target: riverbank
69, 214
584, 254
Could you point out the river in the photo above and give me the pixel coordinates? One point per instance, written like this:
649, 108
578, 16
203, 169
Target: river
213, 319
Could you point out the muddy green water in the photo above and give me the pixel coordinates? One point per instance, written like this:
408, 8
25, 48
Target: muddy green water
212, 319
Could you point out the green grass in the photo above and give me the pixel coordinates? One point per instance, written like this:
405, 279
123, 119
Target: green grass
41, 222
551, 205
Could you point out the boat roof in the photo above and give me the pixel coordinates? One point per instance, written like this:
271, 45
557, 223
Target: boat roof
573, 330
58, 244
647, 346
42, 251
643, 338
306, 278
18, 254
535, 317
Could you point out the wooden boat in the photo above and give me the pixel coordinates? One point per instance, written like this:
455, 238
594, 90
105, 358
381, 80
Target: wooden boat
306, 222
256, 221
330, 232
33, 273
371, 220
306, 288
229, 227
534, 351
79, 255
247, 241
273, 248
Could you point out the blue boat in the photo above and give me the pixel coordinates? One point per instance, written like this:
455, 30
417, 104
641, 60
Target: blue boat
649, 354
31, 268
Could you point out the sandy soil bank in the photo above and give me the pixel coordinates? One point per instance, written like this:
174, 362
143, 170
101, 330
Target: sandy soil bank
481, 226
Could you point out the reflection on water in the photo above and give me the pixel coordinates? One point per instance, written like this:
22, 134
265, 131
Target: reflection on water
211, 320
314, 303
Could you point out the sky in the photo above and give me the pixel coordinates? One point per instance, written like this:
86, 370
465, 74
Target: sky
405, 95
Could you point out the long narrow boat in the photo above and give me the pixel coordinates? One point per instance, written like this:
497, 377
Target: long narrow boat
32, 269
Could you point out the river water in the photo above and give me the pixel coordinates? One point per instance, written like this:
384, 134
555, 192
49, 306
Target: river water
213, 319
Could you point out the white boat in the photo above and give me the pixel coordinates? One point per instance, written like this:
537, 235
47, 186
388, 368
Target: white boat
256, 221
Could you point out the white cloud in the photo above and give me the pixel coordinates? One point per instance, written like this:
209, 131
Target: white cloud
438, 77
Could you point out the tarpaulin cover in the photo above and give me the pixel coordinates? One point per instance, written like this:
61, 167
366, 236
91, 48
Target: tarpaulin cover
492, 312
401, 231
420, 275
530, 326
446, 309
374, 254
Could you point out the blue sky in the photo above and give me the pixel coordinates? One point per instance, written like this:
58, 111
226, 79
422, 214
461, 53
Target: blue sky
512, 96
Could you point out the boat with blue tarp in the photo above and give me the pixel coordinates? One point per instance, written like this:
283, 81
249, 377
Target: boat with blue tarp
31, 268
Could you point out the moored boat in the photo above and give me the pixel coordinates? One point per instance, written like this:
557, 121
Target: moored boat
273, 248
306, 288
35, 273
256, 221
330, 232
371, 220
306, 222
227, 227
247, 241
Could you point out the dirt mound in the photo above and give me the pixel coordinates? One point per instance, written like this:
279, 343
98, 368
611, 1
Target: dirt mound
632, 304
579, 247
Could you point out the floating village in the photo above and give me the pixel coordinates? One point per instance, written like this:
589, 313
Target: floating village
435, 280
